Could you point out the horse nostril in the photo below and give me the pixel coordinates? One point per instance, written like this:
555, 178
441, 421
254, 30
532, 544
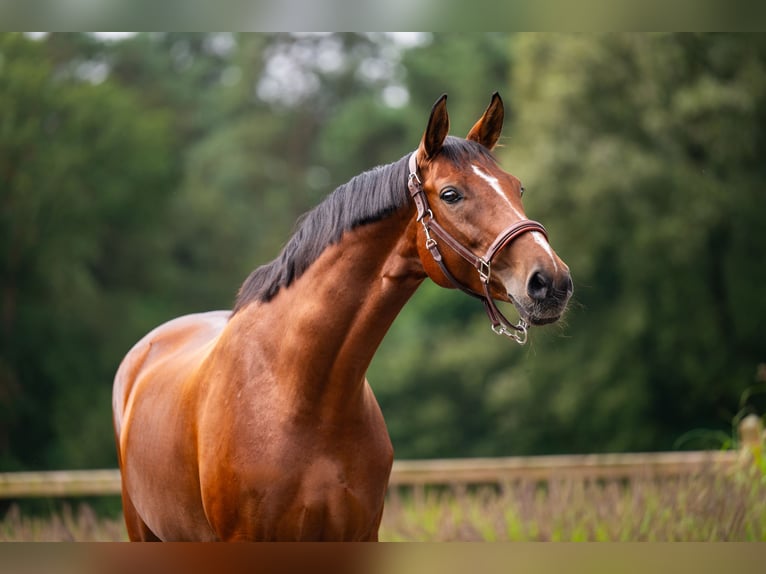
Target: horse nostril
538, 286
568, 285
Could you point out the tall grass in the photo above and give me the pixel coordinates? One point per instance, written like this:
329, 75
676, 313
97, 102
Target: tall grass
704, 507
708, 506
80, 524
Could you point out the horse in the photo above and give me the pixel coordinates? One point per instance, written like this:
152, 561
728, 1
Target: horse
258, 423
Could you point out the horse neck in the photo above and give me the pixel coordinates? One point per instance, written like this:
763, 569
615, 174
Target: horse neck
323, 330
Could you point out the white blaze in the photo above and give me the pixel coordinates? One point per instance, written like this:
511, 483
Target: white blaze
542, 242
538, 237
495, 184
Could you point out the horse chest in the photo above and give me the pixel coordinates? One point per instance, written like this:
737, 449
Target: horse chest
308, 482
311, 498
332, 502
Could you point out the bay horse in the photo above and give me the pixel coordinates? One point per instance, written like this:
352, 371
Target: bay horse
258, 423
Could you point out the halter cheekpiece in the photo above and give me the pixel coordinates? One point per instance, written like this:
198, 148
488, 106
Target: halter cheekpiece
483, 265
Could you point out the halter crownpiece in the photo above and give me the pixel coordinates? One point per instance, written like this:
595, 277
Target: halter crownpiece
483, 265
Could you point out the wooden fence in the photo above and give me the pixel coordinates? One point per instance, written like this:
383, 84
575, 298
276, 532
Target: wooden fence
75, 483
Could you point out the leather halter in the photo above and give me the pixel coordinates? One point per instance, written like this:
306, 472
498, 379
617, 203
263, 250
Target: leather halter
483, 265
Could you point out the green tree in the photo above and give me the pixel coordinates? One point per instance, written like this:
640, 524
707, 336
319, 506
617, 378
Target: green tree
83, 179
644, 156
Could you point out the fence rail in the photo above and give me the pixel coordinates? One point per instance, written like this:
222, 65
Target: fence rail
59, 483
538, 468
73, 483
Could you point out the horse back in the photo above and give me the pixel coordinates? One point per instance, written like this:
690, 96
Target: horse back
182, 341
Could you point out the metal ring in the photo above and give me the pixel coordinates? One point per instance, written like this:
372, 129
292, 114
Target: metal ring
520, 335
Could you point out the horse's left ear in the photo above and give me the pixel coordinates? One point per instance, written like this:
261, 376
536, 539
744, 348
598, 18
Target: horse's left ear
436, 131
487, 130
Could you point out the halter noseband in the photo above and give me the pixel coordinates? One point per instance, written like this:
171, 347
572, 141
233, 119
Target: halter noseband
483, 265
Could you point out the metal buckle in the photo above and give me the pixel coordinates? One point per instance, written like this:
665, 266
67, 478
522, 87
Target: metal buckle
484, 270
430, 241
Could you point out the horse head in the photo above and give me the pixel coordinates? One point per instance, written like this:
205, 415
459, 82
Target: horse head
474, 233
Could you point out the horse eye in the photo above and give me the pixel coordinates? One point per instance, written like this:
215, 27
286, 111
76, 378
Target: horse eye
522, 190
450, 195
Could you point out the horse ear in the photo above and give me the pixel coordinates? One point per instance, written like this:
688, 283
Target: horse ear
487, 130
436, 131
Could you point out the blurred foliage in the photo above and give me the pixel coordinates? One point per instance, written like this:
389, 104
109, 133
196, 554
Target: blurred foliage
84, 186
644, 156
143, 179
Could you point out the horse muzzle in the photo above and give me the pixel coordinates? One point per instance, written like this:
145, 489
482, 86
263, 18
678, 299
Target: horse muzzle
544, 297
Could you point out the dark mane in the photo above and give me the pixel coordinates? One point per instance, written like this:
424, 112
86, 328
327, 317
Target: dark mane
368, 197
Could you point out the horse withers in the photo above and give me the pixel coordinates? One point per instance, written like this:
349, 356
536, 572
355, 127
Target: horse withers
258, 423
